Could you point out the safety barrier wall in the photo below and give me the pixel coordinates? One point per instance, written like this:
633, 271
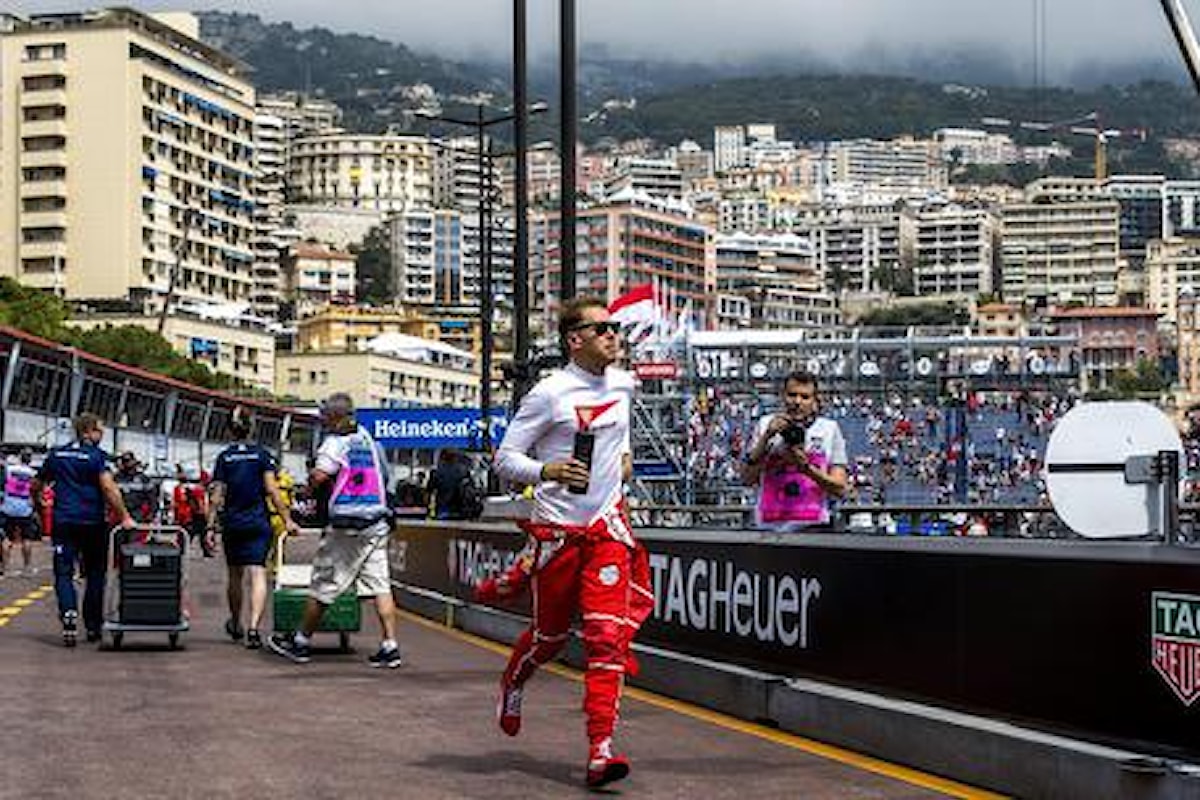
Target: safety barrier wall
1098, 641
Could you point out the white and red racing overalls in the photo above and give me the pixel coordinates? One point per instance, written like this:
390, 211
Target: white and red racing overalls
584, 556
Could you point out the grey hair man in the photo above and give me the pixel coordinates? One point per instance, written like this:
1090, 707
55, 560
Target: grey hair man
349, 479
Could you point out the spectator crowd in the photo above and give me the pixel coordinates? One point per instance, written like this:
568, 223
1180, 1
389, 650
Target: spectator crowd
906, 450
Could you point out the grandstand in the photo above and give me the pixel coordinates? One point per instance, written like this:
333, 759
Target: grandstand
930, 416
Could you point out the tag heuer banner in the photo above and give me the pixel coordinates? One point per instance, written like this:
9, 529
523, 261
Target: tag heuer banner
1175, 643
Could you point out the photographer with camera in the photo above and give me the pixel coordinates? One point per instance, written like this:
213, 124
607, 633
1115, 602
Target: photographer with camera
798, 461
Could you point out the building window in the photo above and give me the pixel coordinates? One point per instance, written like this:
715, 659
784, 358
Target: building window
41, 174
42, 266
46, 52
41, 144
32, 205
44, 83
293, 376
44, 234
43, 113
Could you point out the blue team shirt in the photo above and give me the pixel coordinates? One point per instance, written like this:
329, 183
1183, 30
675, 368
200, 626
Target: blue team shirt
241, 467
75, 472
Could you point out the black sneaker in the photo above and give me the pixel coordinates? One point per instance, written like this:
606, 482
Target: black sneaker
284, 645
253, 639
234, 629
388, 657
70, 628
93, 637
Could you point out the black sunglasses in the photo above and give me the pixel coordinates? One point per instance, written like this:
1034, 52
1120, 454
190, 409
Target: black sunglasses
601, 328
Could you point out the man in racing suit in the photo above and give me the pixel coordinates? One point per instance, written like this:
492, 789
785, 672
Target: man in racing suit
584, 557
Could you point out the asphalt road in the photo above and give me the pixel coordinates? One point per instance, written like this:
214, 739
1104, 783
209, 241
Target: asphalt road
214, 720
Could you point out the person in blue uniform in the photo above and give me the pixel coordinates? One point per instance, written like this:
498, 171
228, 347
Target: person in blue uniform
243, 481
83, 482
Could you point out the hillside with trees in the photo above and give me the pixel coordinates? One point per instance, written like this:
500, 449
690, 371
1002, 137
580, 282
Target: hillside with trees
367, 77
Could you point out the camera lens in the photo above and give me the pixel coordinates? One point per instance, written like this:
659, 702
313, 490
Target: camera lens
794, 434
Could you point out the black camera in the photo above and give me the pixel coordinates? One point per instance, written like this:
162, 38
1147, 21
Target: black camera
796, 433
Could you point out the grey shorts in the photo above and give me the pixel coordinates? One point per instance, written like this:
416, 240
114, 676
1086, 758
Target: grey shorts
347, 558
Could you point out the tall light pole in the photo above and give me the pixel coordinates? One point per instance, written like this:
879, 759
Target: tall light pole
520, 80
486, 298
570, 139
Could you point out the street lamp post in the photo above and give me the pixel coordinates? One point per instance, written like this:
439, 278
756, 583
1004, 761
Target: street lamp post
520, 295
569, 132
486, 299
487, 308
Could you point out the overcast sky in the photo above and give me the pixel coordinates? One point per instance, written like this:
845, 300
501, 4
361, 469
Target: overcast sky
839, 31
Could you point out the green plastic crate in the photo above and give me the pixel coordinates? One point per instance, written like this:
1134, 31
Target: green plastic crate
343, 616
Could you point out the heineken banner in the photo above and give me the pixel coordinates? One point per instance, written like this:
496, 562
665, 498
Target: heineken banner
431, 428
1098, 640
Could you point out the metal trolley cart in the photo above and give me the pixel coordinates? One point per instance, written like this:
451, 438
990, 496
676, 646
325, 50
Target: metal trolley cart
148, 598
343, 617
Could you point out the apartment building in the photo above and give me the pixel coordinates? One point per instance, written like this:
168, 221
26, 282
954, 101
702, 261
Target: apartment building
744, 213
729, 147
1182, 213
693, 161
457, 186
953, 252
1142, 199
631, 240
428, 250
383, 172
1063, 188
1187, 333
656, 177
545, 178
127, 167
302, 115
974, 146
1172, 271
317, 276
1001, 320
349, 328
1110, 340
378, 379
222, 339
857, 249
270, 240
778, 277
904, 162
1055, 253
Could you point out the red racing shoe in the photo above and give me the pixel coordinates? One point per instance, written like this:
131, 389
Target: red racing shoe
508, 711
603, 767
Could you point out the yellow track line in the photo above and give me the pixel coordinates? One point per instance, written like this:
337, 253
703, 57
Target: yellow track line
9, 613
857, 760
